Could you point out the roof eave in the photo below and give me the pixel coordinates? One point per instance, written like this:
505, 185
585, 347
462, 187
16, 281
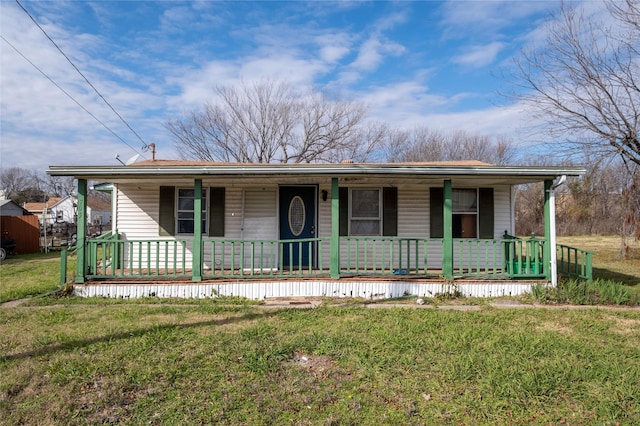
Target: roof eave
110, 172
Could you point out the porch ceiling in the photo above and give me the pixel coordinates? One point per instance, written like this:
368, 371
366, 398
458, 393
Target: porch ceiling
461, 173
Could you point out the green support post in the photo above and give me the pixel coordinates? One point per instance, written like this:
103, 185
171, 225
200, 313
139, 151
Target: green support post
334, 267
81, 231
546, 253
447, 245
197, 231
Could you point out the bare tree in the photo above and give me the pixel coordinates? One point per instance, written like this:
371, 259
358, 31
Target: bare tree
14, 180
271, 122
582, 80
423, 144
60, 186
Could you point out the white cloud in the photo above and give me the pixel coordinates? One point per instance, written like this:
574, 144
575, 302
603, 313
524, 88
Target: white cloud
333, 47
373, 51
479, 55
489, 15
41, 125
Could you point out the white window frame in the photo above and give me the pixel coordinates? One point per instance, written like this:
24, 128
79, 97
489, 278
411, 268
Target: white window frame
378, 218
205, 210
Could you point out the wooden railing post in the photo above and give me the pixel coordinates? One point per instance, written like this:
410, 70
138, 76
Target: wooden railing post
63, 267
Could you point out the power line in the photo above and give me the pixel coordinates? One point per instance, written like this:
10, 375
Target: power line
145, 145
68, 94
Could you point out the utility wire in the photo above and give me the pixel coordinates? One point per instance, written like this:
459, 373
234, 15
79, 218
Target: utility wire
68, 94
145, 146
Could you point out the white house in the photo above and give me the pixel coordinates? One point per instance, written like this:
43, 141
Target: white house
65, 209
267, 230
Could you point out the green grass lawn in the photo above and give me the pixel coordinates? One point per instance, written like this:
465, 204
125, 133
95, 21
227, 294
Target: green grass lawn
31, 274
97, 361
141, 363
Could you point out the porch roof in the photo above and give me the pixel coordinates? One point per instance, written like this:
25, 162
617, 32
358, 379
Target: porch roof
175, 168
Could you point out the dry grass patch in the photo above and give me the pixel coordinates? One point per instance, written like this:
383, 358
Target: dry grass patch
624, 325
555, 327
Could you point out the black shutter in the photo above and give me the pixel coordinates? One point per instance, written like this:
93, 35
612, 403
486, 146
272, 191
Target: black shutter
436, 206
344, 211
216, 212
390, 212
485, 210
166, 210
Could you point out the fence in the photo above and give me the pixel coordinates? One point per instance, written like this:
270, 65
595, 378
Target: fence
24, 230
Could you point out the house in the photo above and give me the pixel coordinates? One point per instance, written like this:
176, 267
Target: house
64, 209
197, 229
42, 209
10, 208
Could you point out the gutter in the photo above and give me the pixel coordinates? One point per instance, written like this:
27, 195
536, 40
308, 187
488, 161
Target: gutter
552, 225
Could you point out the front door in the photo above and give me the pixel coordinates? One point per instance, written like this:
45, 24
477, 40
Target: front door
297, 222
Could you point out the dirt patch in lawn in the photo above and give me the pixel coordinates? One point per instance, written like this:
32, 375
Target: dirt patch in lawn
316, 364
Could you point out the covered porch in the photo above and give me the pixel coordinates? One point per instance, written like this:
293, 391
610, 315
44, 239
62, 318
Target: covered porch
327, 261
371, 268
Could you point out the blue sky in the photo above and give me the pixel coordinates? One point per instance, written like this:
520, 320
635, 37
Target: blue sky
433, 64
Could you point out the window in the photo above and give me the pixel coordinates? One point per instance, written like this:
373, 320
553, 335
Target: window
185, 211
473, 215
175, 212
365, 212
465, 213
368, 211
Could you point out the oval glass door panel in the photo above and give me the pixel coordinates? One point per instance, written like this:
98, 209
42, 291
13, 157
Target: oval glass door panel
297, 216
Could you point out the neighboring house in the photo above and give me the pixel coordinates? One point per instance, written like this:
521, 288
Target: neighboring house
60, 210
361, 230
10, 208
42, 209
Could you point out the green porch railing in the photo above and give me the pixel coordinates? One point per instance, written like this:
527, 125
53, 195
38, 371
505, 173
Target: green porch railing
524, 258
574, 262
509, 257
113, 258
389, 255
265, 258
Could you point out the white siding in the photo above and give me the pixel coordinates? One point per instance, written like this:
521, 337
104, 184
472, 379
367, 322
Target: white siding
502, 210
260, 210
256, 218
137, 219
414, 222
138, 211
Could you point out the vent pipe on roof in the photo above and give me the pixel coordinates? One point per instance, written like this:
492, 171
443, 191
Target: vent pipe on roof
153, 151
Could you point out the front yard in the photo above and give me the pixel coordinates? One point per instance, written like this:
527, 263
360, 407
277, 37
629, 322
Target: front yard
150, 361
108, 362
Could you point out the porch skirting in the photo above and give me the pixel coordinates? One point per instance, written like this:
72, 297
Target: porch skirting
260, 290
